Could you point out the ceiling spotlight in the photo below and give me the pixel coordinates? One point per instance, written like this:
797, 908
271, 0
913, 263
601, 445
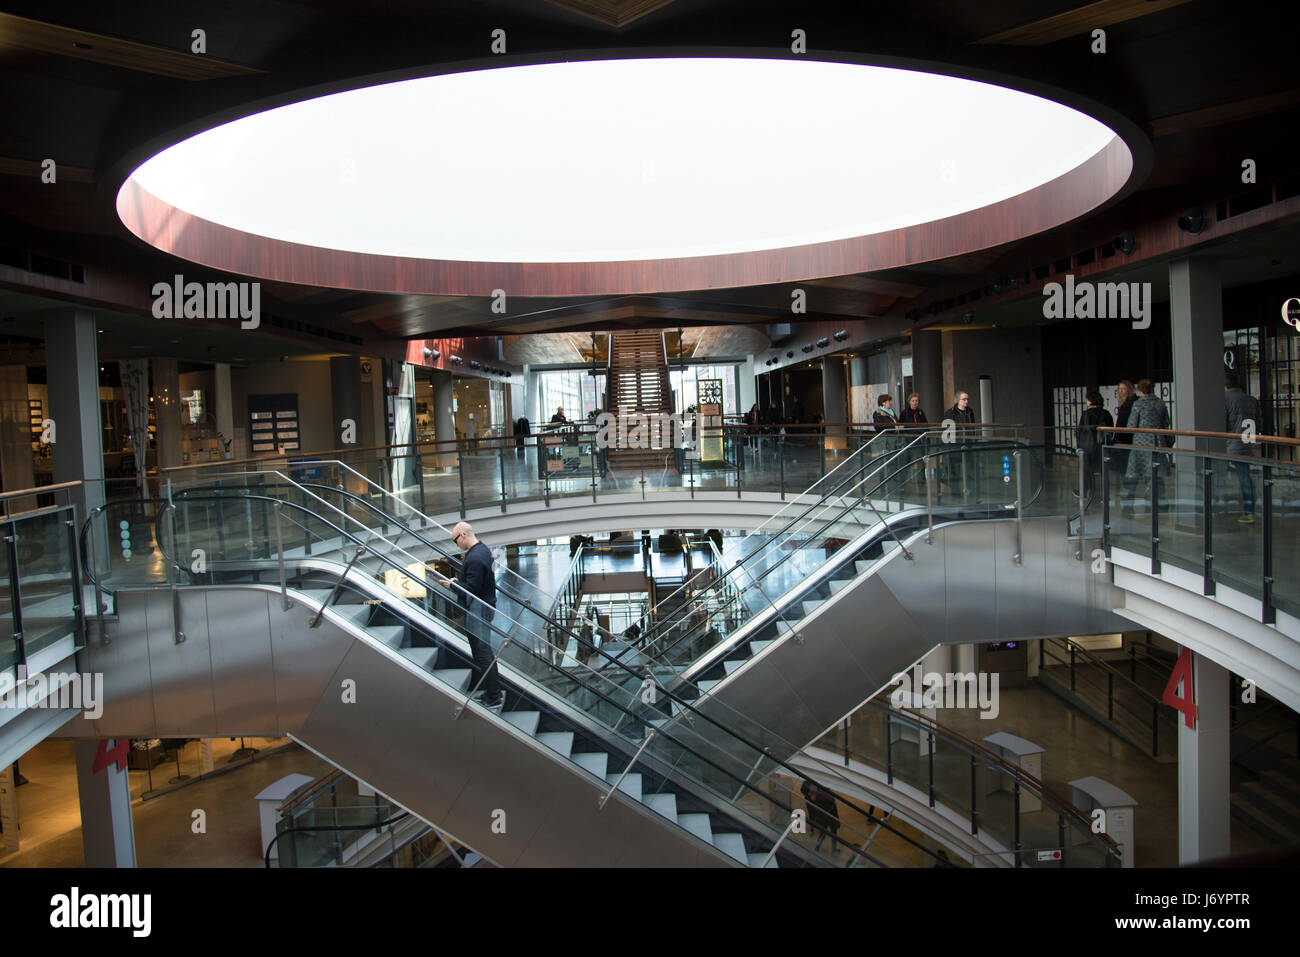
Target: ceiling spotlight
968, 317
432, 354
841, 335
997, 287
475, 364
456, 359
789, 355
1012, 282
1126, 242
823, 342
1192, 220
808, 347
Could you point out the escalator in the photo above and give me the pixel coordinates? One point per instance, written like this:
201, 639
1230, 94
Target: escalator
775, 646
864, 576
369, 669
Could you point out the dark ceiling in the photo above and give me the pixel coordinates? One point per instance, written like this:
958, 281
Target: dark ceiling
98, 86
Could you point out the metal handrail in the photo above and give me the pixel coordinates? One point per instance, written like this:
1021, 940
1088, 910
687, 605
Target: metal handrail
686, 705
888, 525
990, 758
330, 827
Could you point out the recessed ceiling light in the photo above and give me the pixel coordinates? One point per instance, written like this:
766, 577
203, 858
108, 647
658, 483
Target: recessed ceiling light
366, 170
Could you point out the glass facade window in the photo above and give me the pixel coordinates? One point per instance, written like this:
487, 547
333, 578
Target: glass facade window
685, 383
576, 390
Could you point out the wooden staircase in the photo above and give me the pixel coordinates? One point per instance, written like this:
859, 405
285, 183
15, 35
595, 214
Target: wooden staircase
638, 383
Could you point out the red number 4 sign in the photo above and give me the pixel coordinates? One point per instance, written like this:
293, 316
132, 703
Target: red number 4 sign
104, 757
1186, 702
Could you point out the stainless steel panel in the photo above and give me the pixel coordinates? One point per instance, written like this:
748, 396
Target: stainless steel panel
1019, 597
407, 743
305, 660
243, 678
128, 689
181, 675
970, 557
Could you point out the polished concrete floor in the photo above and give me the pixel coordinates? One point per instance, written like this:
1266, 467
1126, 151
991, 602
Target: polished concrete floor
50, 817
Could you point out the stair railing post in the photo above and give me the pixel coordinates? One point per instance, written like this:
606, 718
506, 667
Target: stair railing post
460, 471
605, 797
1207, 524
1020, 504
285, 604
501, 458
1268, 614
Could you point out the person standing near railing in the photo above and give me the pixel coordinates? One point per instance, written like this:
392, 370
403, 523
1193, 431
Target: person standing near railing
1125, 394
1241, 408
913, 414
1087, 439
961, 414
1149, 412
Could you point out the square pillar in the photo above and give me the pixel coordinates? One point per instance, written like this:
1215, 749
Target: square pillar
72, 373
107, 830
1196, 317
1203, 767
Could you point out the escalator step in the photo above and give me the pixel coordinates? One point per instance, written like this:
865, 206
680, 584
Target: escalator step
756, 860
559, 741
813, 604
707, 686
784, 628
630, 785
731, 666
525, 721
839, 585
354, 613
665, 804
697, 824
756, 646
458, 678
862, 564
597, 762
731, 844
317, 595
391, 635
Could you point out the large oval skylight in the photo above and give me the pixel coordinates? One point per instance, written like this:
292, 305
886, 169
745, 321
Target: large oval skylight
639, 159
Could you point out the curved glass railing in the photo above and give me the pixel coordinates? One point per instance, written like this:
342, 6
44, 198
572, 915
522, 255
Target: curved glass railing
1232, 520
890, 487
446, 478
1036, 826
739, 779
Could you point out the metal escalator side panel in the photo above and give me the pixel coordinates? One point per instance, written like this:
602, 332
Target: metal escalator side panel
489, 783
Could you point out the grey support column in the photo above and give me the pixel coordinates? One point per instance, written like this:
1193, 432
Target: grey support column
107, 831
72, 373
927, 373
1196, 314
444, 425
345, 396
1203, 768
835, 401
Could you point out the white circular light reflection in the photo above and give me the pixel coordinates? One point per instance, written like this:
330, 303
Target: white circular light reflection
622, 159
